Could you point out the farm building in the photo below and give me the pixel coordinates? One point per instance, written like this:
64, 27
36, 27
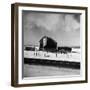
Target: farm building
64, 49
48, 44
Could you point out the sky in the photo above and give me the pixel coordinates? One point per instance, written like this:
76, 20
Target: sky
64, 28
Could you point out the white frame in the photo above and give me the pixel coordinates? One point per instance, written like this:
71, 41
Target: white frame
54, 79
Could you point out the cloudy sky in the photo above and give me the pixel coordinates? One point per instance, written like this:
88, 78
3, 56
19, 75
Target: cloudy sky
62, 27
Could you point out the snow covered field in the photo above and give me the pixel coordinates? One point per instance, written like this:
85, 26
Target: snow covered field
74, 56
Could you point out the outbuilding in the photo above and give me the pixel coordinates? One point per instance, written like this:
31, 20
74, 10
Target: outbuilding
48, 44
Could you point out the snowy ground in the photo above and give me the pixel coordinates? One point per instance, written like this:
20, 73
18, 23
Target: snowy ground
73, 56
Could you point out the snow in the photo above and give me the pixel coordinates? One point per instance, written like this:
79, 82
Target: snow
72, 57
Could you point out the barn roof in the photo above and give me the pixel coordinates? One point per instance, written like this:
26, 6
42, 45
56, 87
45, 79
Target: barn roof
47, 38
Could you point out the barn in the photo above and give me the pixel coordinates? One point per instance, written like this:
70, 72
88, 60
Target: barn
48, 44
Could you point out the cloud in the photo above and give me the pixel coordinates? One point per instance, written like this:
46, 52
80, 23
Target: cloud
71, 23
52, 22
49, 21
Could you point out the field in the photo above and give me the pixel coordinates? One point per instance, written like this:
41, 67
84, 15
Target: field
44, 70
73, 56
33, 70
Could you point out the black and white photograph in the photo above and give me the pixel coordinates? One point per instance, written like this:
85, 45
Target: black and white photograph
49, 44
